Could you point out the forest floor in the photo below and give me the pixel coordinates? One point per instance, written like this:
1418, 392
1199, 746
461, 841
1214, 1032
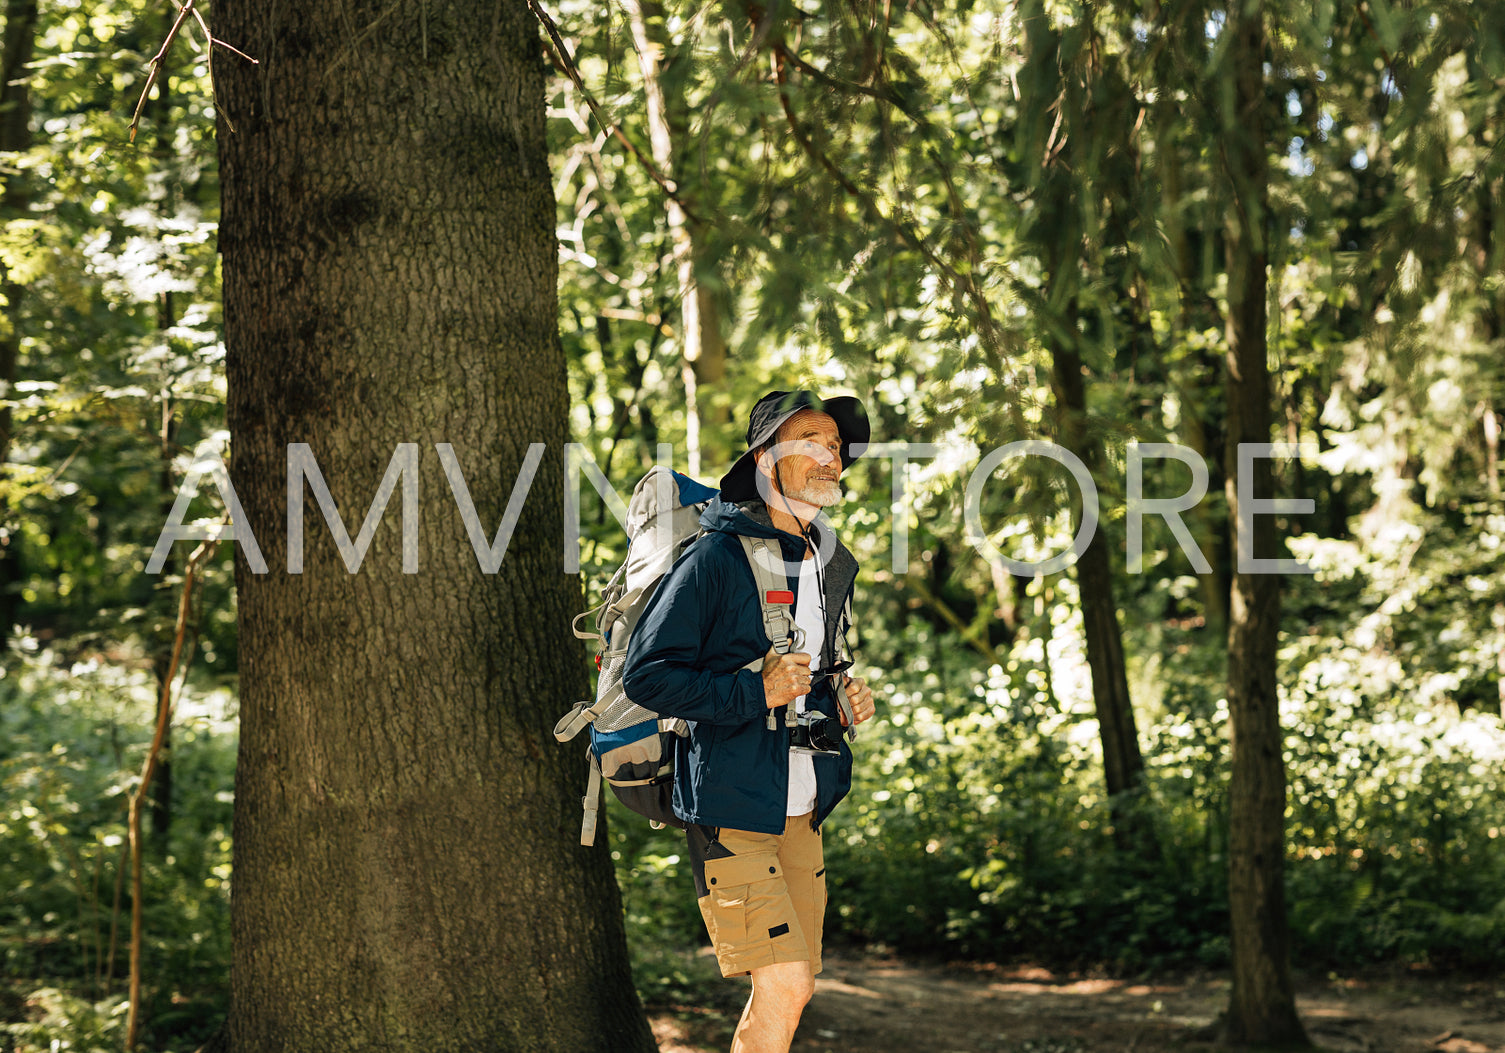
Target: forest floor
866, 1004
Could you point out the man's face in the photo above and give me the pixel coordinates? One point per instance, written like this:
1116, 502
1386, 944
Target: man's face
810, 464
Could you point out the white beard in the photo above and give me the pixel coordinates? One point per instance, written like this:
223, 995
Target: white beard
822, 493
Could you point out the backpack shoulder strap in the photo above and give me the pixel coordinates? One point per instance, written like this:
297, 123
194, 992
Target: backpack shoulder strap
776, 600
774, 595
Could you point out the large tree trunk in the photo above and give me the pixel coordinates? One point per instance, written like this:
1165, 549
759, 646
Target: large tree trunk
407, 867
1262, 1008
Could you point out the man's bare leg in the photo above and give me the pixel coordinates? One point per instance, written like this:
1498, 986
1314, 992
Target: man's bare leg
779, 995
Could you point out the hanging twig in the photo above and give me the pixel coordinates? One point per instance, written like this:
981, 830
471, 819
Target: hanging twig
156, 65
148, 769
160, 59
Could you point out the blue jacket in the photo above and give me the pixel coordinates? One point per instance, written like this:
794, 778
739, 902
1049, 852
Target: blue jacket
685, 660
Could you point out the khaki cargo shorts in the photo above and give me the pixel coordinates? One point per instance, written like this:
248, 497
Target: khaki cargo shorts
763, 896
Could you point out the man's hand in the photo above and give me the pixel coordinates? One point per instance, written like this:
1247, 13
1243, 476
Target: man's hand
785, 677
860, 696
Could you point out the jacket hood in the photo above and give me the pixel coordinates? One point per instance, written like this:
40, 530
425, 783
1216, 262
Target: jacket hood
740, 517
751, 518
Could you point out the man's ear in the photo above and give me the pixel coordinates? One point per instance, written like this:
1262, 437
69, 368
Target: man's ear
763, 462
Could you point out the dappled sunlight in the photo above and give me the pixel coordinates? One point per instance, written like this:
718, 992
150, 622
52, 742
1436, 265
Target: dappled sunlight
1239, 263
1080, 987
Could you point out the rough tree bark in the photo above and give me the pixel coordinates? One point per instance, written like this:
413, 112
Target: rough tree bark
407, 872
1262, 1008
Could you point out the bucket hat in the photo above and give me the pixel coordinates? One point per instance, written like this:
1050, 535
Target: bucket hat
772, 410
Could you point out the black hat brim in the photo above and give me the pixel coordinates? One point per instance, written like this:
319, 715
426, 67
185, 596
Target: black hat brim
740, 483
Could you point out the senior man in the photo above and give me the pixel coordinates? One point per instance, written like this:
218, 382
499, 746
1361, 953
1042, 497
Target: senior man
751, 785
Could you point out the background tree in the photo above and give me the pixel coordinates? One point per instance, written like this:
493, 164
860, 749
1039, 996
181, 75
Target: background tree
1262, 1009
15, 139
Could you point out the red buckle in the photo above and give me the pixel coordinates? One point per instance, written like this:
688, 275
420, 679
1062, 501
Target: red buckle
780, 596
598, 661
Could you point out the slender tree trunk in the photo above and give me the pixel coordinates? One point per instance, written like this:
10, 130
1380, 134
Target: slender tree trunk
1123, 765
15, 136
1058, 242
159, 112
1045, 599
159, 799
1197, 386
1488, 251
709, 364
1262, 1008
649, 39
407, 869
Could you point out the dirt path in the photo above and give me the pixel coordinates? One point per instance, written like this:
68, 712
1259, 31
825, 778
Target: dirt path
867, 1005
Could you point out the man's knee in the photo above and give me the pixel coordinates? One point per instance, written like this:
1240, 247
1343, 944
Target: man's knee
806, 989
792, 984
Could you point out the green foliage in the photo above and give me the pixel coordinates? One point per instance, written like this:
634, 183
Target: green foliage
119, 371
74, 738
59, 1020
922, 215
977, 827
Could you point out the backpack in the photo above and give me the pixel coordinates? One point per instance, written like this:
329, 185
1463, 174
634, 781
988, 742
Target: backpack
631, 746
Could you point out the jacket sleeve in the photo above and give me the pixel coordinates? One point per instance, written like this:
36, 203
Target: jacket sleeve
668, 657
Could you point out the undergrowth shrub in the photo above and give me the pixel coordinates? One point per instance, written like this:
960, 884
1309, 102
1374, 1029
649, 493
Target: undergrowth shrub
977, 824
71, 745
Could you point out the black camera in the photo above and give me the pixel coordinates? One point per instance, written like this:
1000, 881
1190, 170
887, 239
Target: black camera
815, 733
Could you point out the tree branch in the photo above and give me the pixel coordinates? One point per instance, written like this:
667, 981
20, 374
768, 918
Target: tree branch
159, 60
148, 769
972, 634
559, 53
965, 284
821, 75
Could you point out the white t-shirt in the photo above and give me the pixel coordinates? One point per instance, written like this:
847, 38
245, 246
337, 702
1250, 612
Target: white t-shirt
809, 615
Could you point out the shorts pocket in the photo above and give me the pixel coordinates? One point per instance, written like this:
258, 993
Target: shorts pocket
725, 912
735, 885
